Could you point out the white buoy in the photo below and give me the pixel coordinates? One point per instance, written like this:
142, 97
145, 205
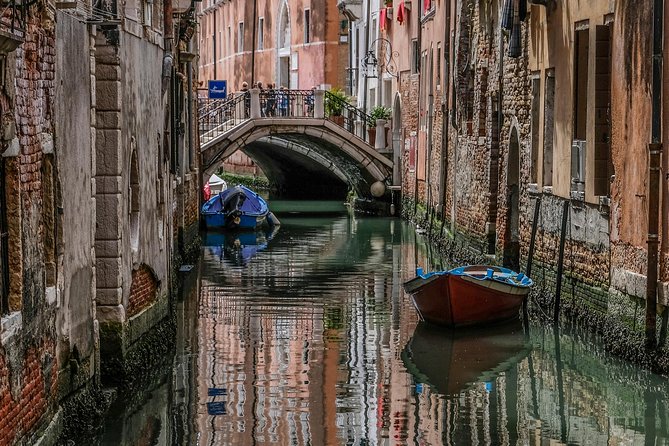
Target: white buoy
378, 189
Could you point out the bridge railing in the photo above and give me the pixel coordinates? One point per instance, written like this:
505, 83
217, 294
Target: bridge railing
218, 116
287, 103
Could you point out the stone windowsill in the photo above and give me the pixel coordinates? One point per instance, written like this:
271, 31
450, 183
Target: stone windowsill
10, 325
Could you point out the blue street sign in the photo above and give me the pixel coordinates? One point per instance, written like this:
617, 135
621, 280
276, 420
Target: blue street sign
218, 89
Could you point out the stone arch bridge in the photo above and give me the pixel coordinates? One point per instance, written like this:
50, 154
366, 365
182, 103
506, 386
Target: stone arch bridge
298, 135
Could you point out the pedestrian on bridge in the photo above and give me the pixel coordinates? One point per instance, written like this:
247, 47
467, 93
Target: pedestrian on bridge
270, 104
247, 99
282, 98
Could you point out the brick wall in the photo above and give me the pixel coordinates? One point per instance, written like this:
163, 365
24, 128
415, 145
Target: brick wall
142, 290
408, 86
28, 368
23, 404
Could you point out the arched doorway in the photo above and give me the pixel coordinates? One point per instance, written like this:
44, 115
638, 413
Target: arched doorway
512, 230
283, 47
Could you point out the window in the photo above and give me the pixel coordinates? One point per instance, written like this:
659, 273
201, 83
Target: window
549, 126
535, 120
438, 73
148, 12
580, 111
4, 248
213, 48
415, 57
581, 51
603, 166
261, 33
307, 26
240, 37
229, 40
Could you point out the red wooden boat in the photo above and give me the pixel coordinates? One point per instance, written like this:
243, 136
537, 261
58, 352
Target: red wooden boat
468, 295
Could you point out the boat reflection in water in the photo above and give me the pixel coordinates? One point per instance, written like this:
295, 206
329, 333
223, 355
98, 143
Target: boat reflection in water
449, 361
238, 247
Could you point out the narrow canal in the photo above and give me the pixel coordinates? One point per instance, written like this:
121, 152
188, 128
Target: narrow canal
305, 337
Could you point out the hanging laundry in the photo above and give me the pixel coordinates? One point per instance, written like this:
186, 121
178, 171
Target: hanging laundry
508, 15
401, 12
382, 18
427, 5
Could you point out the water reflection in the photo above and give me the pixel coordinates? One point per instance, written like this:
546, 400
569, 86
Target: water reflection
237, 247
313, 342
450, 360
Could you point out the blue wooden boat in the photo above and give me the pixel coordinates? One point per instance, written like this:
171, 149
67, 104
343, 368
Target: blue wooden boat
235, 208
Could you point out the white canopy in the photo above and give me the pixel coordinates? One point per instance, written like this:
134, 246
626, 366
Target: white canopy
215, 180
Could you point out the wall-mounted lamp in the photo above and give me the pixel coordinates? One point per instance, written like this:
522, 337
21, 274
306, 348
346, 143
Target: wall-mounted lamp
380, 59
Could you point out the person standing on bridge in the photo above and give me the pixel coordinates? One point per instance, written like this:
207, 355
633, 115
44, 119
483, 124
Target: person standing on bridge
270, 105
309, 101
283, 101
247, 99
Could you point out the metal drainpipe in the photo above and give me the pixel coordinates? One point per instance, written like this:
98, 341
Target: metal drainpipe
214, 46
654, 158
367, 25
445, 116
253, 42
419, 50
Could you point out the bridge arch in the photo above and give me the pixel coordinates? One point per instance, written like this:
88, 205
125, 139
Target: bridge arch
325, 142
337, 149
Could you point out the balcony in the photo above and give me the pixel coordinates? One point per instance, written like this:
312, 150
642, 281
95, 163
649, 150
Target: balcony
12, 26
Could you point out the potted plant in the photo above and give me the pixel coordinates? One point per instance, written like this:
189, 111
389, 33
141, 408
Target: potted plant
334, 105
378, 112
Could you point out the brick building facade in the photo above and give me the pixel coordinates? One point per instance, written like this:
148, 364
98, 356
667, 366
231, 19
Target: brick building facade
495, 113
86, 125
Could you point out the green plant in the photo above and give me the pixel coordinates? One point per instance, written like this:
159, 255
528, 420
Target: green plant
334, 102
378, 112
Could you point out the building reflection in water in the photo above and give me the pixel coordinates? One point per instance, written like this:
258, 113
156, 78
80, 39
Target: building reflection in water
312, 341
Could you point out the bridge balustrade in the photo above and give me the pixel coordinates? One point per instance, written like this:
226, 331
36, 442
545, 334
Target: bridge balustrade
219, 116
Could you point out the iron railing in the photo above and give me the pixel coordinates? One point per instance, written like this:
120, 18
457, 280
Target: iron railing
287, 103
14, 17
218, 116
342, 112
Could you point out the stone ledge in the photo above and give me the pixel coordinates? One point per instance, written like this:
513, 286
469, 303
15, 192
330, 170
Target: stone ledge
114, 313
10, 325
51, 432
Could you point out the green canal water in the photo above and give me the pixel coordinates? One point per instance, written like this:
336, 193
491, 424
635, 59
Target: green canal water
306, 337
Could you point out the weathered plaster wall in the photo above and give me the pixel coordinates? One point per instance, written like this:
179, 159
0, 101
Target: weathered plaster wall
630, 115
75, 166
142, 118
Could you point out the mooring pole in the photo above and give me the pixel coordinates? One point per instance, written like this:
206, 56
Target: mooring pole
530, 257
558, 286
535, 224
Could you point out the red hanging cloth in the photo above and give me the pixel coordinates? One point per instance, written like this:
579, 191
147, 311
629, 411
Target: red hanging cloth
383, 18
401, 12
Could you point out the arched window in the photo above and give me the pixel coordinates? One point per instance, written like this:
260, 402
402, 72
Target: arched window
284, 27
134, 201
